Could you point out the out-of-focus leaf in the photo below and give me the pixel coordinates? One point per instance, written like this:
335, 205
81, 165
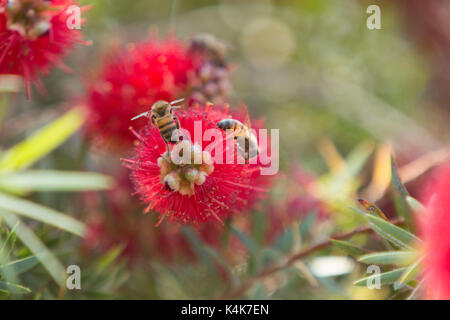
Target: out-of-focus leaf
258, 227
50, 180
29, 239
108, 258
285, 240
411, 272
384, 278
46, 215
389, 257
396, 181
348, 248
251, 245
338, 185
200, 250
392, 233
10, 240
14, 288
415, 205
307, 223
19, 266
399, 195
416, 291
42, 142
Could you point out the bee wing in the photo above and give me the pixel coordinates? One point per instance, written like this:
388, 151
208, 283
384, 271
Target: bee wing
144, 114
176, 101
247, 121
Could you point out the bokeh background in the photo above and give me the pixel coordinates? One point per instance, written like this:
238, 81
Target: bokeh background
344, 98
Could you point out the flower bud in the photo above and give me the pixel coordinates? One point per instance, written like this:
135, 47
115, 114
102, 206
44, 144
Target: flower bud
172, 182
201, 177
191, 174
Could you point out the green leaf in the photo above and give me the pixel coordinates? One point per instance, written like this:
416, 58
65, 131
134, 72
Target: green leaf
199, 249
399, 195
411, 272
20, 266
385, 278
396, 181
392, 233
348, 248
389, 257
30, 240
38, 212
42, 142
13, 288
307, 223
50, 180
108, 259
10, 240
415, 205
285, 240
251, 245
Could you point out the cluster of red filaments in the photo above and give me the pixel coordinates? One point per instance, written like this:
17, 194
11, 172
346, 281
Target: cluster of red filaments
192, 193
34, 36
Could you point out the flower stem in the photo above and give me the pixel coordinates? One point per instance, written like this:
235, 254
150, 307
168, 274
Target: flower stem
248, 283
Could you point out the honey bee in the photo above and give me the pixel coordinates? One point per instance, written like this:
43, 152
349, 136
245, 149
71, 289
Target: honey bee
162, 115
246, 141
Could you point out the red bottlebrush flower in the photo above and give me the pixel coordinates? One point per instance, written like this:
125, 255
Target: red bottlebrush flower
130, 82
435, 227
34, 36
193, 193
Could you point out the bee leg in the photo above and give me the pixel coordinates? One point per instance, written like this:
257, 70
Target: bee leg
167, 146
168, 150
247, 150
177, 122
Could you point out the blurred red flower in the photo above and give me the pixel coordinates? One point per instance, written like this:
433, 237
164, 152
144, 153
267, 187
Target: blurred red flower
435, 228
130, 81
34, 36
298, 203
193, 193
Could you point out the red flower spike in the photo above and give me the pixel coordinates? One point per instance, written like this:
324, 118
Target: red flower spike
211, 192
129, 83
33, 37
435, 228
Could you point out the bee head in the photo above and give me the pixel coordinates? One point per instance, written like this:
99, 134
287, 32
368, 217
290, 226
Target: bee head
220, 125
161, 108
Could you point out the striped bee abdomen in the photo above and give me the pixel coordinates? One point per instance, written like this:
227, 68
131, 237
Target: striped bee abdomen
167, 127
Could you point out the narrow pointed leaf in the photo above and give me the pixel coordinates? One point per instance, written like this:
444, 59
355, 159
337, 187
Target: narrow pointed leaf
19, 266
385, 278
389, 257
42, 142
50, 180
411, 272
13, 288
348, 248
396, 181
392, 233
38, 212
30, 240
415, 205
